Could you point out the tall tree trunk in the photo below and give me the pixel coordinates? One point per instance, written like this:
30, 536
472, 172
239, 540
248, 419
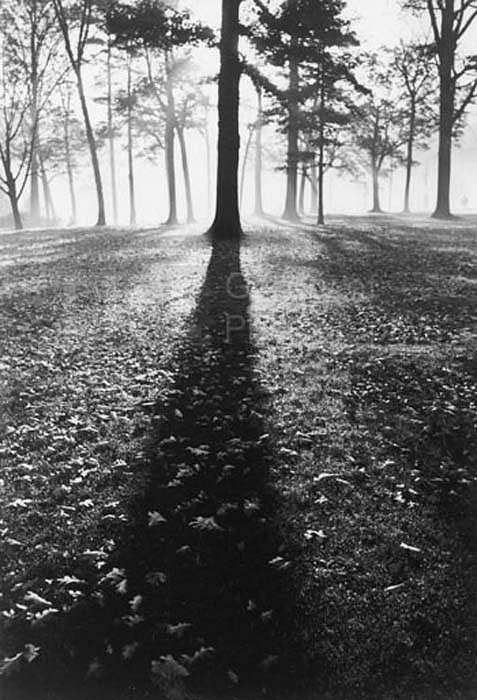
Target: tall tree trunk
34, 174
244, 163
13, 199
290, 212
46, 193
227, 218
391, 182
258, 208
49, 206
34, 179
209, 169
112, 153
314, 189
185, 168
69, 167
170, 171
301, 193
321, 184
16, 213
426, 187
34, 186
131, 183
446, 114
375, 176
409, 156
321, 155
170, 145
101, 220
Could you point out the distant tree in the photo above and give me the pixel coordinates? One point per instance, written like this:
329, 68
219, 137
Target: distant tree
251, 129
333, 136
203, 128
111, 131
30, 29
138, 118
17, 133
415, 69
450, 21
377, 125
263, 87
159, 31
40, 49
75, 20
293, 36
130, 103
126, 106
74, 143
165, 92
258, 206
190, 115
63, 142
328, 116
106, 132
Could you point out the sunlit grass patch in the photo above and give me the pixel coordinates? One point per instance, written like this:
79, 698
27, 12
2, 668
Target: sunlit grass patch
374, 414
342, 428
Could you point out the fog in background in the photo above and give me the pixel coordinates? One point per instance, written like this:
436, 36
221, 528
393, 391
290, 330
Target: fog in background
376, 24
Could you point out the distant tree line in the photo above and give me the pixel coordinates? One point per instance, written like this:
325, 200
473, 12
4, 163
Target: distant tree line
332, 104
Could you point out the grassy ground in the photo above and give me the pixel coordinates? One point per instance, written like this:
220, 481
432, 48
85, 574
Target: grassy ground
240, 471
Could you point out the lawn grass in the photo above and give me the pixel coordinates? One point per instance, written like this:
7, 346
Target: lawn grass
310, 485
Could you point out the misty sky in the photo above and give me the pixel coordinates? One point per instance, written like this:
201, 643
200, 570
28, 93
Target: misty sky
378, 21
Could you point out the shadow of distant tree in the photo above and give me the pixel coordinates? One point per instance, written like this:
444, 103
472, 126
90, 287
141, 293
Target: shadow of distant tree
191, 597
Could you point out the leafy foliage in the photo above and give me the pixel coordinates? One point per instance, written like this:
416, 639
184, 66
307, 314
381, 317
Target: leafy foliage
154, 24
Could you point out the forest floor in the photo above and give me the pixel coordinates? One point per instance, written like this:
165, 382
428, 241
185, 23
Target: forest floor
252, 471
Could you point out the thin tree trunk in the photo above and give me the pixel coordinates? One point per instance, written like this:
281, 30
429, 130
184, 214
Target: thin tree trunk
101, 220
71, 184
426, 187
112, 154
442, 210
13, 198
49, 206
301, 194
227, 218
34, 187
69, 168
391, 182
170, 145
46, 196
34, 179
409, 157
244, 163
17, 219
185, 168
321, 184
314, 189
376, 203
209, 169
258, 209
321, 156
170, 171
290, 213
131, 183
34, 175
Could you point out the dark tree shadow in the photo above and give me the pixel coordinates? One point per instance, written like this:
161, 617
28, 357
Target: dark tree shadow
209, 472
194, 593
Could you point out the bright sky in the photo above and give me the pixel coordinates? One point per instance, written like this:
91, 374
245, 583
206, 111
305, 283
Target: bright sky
377, 22
381, 22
